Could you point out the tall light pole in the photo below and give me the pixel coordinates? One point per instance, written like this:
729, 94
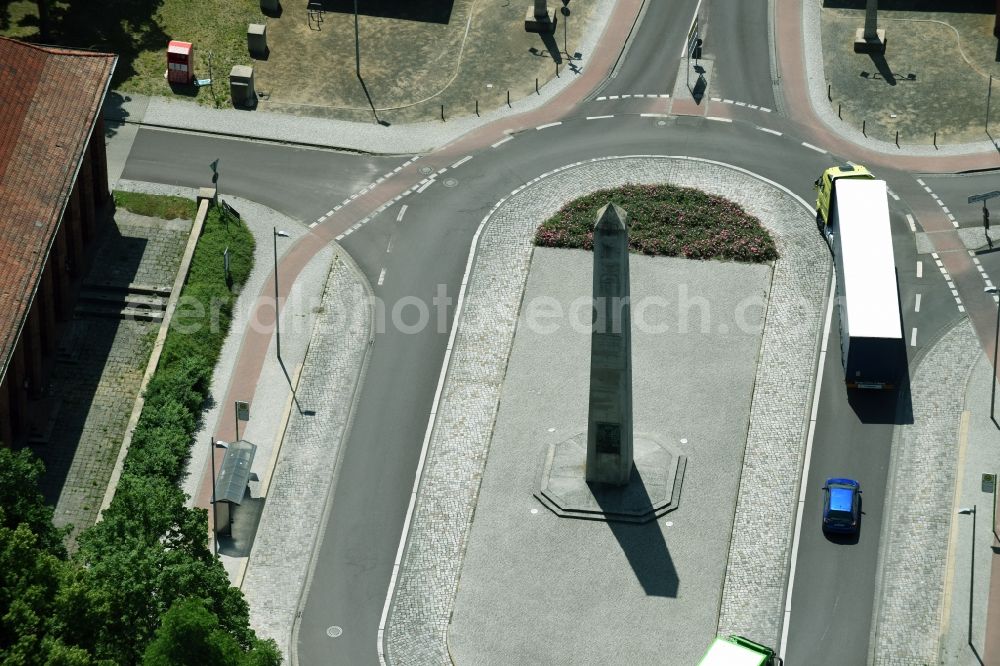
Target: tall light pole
996, 340
277, 315
565, 12
357, 61
966, 511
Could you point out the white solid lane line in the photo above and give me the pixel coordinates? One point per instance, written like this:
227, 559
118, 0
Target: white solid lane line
805, 466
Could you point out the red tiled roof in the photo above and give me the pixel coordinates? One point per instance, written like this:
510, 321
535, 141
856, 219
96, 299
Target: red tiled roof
49, 101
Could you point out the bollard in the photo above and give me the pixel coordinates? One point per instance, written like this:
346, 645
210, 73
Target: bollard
557, 70
863, 133
442, 112
935, 140
477, 107
838, 111
828, 96
508, 97
897, 138
536, 85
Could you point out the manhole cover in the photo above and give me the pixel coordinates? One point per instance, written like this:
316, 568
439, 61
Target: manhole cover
450, 182
334, 631
425, 170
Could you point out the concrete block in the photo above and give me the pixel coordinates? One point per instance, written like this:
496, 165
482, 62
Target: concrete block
241, 87
206, 193
257, 40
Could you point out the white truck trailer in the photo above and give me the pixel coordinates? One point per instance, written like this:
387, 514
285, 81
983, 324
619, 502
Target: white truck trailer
872, 348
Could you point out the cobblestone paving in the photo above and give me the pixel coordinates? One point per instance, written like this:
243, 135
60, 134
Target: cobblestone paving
97, 373
429, 575
293, 511
915, 545
754, 592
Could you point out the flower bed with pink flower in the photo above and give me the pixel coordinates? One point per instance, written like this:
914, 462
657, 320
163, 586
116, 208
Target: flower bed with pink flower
665, 220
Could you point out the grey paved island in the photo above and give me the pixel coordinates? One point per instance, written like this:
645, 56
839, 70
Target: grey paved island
429, 586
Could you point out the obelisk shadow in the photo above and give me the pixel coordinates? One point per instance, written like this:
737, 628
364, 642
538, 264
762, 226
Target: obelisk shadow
643, 544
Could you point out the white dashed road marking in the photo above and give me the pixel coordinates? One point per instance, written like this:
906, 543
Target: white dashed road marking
598, 117
916, 305
547, 125
461, 161
920, 269
913, 225
402, 212
812, 147
718, 119
769, 131
381, 277
913, 337
501, 142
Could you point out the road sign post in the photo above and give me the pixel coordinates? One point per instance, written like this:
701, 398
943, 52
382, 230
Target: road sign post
215, 175
693, 47
242, 414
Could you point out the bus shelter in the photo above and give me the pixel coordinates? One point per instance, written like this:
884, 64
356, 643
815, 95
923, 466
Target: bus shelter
232, 482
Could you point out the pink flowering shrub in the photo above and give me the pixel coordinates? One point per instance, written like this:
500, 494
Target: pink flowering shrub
665, 220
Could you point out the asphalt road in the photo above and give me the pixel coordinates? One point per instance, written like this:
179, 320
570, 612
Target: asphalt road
736, 39
303, 183
650, 66
834, 579
429, 248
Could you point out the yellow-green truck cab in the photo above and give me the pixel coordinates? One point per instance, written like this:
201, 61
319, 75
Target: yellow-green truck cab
824, 186
738, 651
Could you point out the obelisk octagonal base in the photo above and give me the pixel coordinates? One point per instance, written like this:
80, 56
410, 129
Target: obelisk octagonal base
653, 490
862, 45
540, 24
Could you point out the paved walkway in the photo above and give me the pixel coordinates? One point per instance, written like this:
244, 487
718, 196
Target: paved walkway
968, 577
98, 369
919, 514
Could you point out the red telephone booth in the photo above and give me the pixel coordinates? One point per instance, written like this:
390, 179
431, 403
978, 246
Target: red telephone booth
180, 62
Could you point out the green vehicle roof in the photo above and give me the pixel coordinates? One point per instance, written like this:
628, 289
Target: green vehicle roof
729, 652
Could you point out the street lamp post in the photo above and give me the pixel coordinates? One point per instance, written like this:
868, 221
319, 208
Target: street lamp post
996, 341
277, 315
966, 511
565, 12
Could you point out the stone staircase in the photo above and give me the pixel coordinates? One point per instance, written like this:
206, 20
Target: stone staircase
133, 301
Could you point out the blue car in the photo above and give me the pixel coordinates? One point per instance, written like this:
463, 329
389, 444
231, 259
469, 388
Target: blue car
841, 506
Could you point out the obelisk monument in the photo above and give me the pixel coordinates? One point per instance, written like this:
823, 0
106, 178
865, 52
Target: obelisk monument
870, 39
539, 18
609, 417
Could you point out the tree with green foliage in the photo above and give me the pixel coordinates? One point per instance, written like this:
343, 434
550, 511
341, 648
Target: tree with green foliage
190, 635
21, 500
148, 552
